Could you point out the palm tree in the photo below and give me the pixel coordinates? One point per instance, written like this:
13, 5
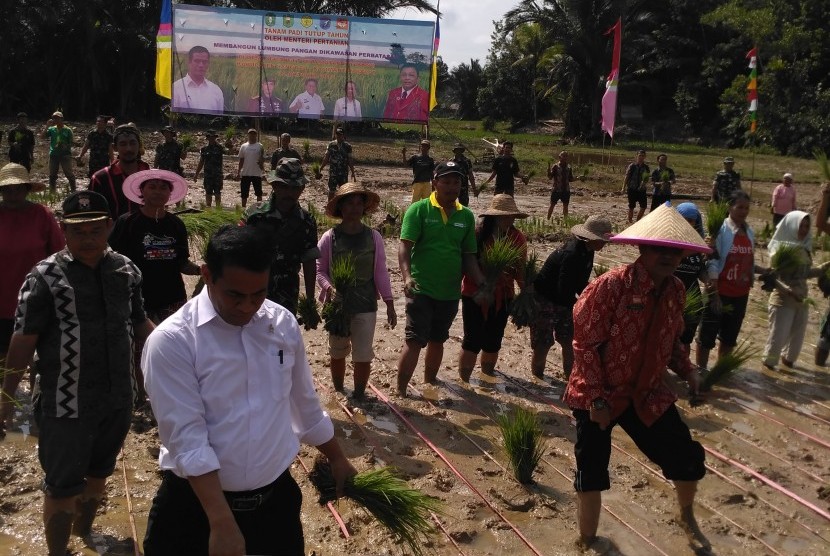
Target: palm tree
579, 67
537, 57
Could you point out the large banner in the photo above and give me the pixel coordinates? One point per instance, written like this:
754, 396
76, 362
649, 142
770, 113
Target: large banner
257, 63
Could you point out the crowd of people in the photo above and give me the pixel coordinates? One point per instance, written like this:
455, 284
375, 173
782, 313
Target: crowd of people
86, 294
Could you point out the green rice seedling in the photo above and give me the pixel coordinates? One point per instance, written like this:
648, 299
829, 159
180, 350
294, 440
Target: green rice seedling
186, 141
523, 307
391, 208
789, 259
307, 150
696, 301
229, 133
307, 313
404, 511
724, 367
315, 170
716, 214
202, 225
336, 317
521, 436
499, 257
600, 269
766, 233
823, 163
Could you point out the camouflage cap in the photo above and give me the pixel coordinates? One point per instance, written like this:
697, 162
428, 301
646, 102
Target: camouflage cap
289, 172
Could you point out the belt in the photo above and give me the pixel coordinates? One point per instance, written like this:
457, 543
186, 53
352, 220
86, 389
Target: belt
246, 502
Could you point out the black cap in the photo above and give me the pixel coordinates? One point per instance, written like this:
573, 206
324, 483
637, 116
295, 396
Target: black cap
339, 130
22, 115
446, 168
168, 129
459, 147
211, 133
85, 206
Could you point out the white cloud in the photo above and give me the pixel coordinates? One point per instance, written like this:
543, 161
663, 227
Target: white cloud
466, 27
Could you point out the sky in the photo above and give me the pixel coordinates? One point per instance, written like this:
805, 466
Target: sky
466, 26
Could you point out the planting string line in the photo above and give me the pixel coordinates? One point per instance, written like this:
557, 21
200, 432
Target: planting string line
136, 547
769, 482
476, 407
771, 382
656, 473
329, 505
789, 407
764, 500
447, 533
377, 448
381, 396
774, 420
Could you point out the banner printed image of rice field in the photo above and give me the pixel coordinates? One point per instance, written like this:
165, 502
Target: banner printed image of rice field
262, 62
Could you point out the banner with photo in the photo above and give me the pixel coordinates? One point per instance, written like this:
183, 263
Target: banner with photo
265, 63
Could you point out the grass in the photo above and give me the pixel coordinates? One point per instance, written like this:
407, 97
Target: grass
716, 214
523, 307
522, 440
336, 317
404, 511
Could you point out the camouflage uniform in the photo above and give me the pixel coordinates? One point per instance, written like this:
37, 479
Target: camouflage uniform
726, 181
339, 155
99, 150
212, 157
169, 156
294, 237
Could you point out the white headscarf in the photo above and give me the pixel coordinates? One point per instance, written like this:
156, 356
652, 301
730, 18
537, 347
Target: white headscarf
786, 233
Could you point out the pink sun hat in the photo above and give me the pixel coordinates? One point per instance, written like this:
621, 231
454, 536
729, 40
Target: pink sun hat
663, 227
132, 185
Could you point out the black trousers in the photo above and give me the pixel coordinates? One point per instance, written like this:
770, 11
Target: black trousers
269, 518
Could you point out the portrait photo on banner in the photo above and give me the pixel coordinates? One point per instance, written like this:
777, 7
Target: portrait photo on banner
260, 63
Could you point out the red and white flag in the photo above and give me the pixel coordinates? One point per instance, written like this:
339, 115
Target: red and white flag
609, 99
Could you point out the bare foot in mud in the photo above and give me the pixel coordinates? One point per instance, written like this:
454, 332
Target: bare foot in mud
697, 540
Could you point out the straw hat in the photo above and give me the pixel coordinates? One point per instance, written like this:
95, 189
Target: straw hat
132, 185
595, 228
351, 188
664, 227
504, 205
15, 174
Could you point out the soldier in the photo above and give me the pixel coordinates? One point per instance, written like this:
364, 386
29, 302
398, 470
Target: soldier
210, 159
22, 143
726, 181
170, 153
99, 144
339, 156
469, 180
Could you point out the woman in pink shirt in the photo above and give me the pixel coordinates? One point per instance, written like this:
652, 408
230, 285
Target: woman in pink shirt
28, 233
783, 199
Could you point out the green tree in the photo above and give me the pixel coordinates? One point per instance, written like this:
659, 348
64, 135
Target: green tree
464, 83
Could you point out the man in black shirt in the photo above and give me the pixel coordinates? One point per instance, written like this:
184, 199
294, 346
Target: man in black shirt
468, 181
422, 166
505, 170
558, 284
285, 151
22, 143
99, 144
636, 177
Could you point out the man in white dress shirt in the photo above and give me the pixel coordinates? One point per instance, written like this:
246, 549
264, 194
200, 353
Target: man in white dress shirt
194, 91
231, 387
308, 104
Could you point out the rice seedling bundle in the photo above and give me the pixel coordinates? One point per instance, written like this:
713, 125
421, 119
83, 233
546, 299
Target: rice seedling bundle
335, 314
789, 259
307, 314
523, 306
404, 511
186, 141
522, 440
728, 364
696, 301
202, 225
500, 256
716, 214
600, 269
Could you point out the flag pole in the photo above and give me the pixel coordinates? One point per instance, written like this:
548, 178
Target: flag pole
752, 97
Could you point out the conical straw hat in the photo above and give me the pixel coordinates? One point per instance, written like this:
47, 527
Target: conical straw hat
664, 227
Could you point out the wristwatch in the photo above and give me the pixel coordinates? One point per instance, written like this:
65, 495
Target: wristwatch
599, 404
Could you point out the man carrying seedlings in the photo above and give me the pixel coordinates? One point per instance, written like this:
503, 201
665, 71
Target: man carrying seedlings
60, 150
662, 180
339, 157
230, 382
634, 184
627, 327
438, 245
293, 234
557, 286
21, 142
505, 170
422, 166
210, 158
80, 309
561, 176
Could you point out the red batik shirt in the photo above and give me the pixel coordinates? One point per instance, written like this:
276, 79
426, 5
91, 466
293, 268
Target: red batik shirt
626, 332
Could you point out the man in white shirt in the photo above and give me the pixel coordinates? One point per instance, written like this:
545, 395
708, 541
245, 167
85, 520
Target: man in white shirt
251, 166
308, 104
231, 387
193, 91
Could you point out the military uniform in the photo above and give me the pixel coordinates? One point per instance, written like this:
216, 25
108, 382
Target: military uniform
212, 155
169, 156
726, 181
99, 150
339, 155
